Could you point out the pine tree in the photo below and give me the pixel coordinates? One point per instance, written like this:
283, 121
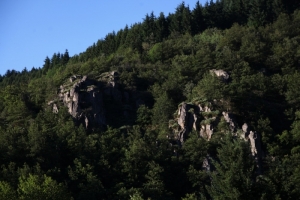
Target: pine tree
47, 64
186, 20
154, 186
149, 28
213, 15
35, 188
162, 29
236, 11
176, 19
66, 57
234, 174
197, 19
260, 12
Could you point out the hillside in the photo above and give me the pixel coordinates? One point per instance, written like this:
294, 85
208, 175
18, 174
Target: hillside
201, 104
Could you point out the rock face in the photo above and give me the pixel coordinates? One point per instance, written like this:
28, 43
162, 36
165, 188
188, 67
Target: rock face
97, 102
54, 106
252, 136
84, 100
255, 143
194, 117
201, 117
207, 131
186, 120
230, 121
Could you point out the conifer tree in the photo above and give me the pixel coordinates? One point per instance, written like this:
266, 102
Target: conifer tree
162, 29
66, 57
197, 19
234, 175
47, 64
176, 19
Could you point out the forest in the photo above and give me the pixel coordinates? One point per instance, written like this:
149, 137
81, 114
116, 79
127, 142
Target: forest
144, 113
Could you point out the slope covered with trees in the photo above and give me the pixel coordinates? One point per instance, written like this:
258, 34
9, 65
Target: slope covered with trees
165, 60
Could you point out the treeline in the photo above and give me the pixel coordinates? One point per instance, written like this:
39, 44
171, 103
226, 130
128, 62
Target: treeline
140, 37
219, 14
45, 155
23, 77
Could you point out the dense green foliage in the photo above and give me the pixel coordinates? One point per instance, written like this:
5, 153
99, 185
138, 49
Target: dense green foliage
166, 58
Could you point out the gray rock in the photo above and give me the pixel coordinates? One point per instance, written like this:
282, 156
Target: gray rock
220, 73
196, 122
83, 98
50, 103
86, 120
114, 74
230, 121
245, 128
206, 164
245, 131
186, 121
252, 137
207, 131
84, 78
84, 102
204, 108
186, 118
55, 108
72, 79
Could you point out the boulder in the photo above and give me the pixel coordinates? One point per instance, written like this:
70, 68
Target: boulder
220, 73
207, 131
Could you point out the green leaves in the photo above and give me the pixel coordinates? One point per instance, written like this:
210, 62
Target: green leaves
163, 61
34, 187
210, 87
154, 186
7, 192
234, 175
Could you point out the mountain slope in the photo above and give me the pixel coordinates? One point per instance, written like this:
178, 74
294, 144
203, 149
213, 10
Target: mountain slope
107, 134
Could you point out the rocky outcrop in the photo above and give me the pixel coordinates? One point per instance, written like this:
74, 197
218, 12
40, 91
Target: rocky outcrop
54, 106
186, 121
193, 117
84, 100
206, 131
112, 86
220, 73
255, 144
201, 117
228, 118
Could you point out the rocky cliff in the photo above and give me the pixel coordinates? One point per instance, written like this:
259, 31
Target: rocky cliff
88, 100
206, 120
91, 101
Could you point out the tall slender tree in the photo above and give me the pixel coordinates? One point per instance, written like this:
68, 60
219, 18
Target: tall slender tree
197, 19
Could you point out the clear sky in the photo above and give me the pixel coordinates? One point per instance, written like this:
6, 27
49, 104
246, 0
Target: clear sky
30, 30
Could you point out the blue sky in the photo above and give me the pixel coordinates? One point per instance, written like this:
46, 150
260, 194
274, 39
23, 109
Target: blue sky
33, 29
